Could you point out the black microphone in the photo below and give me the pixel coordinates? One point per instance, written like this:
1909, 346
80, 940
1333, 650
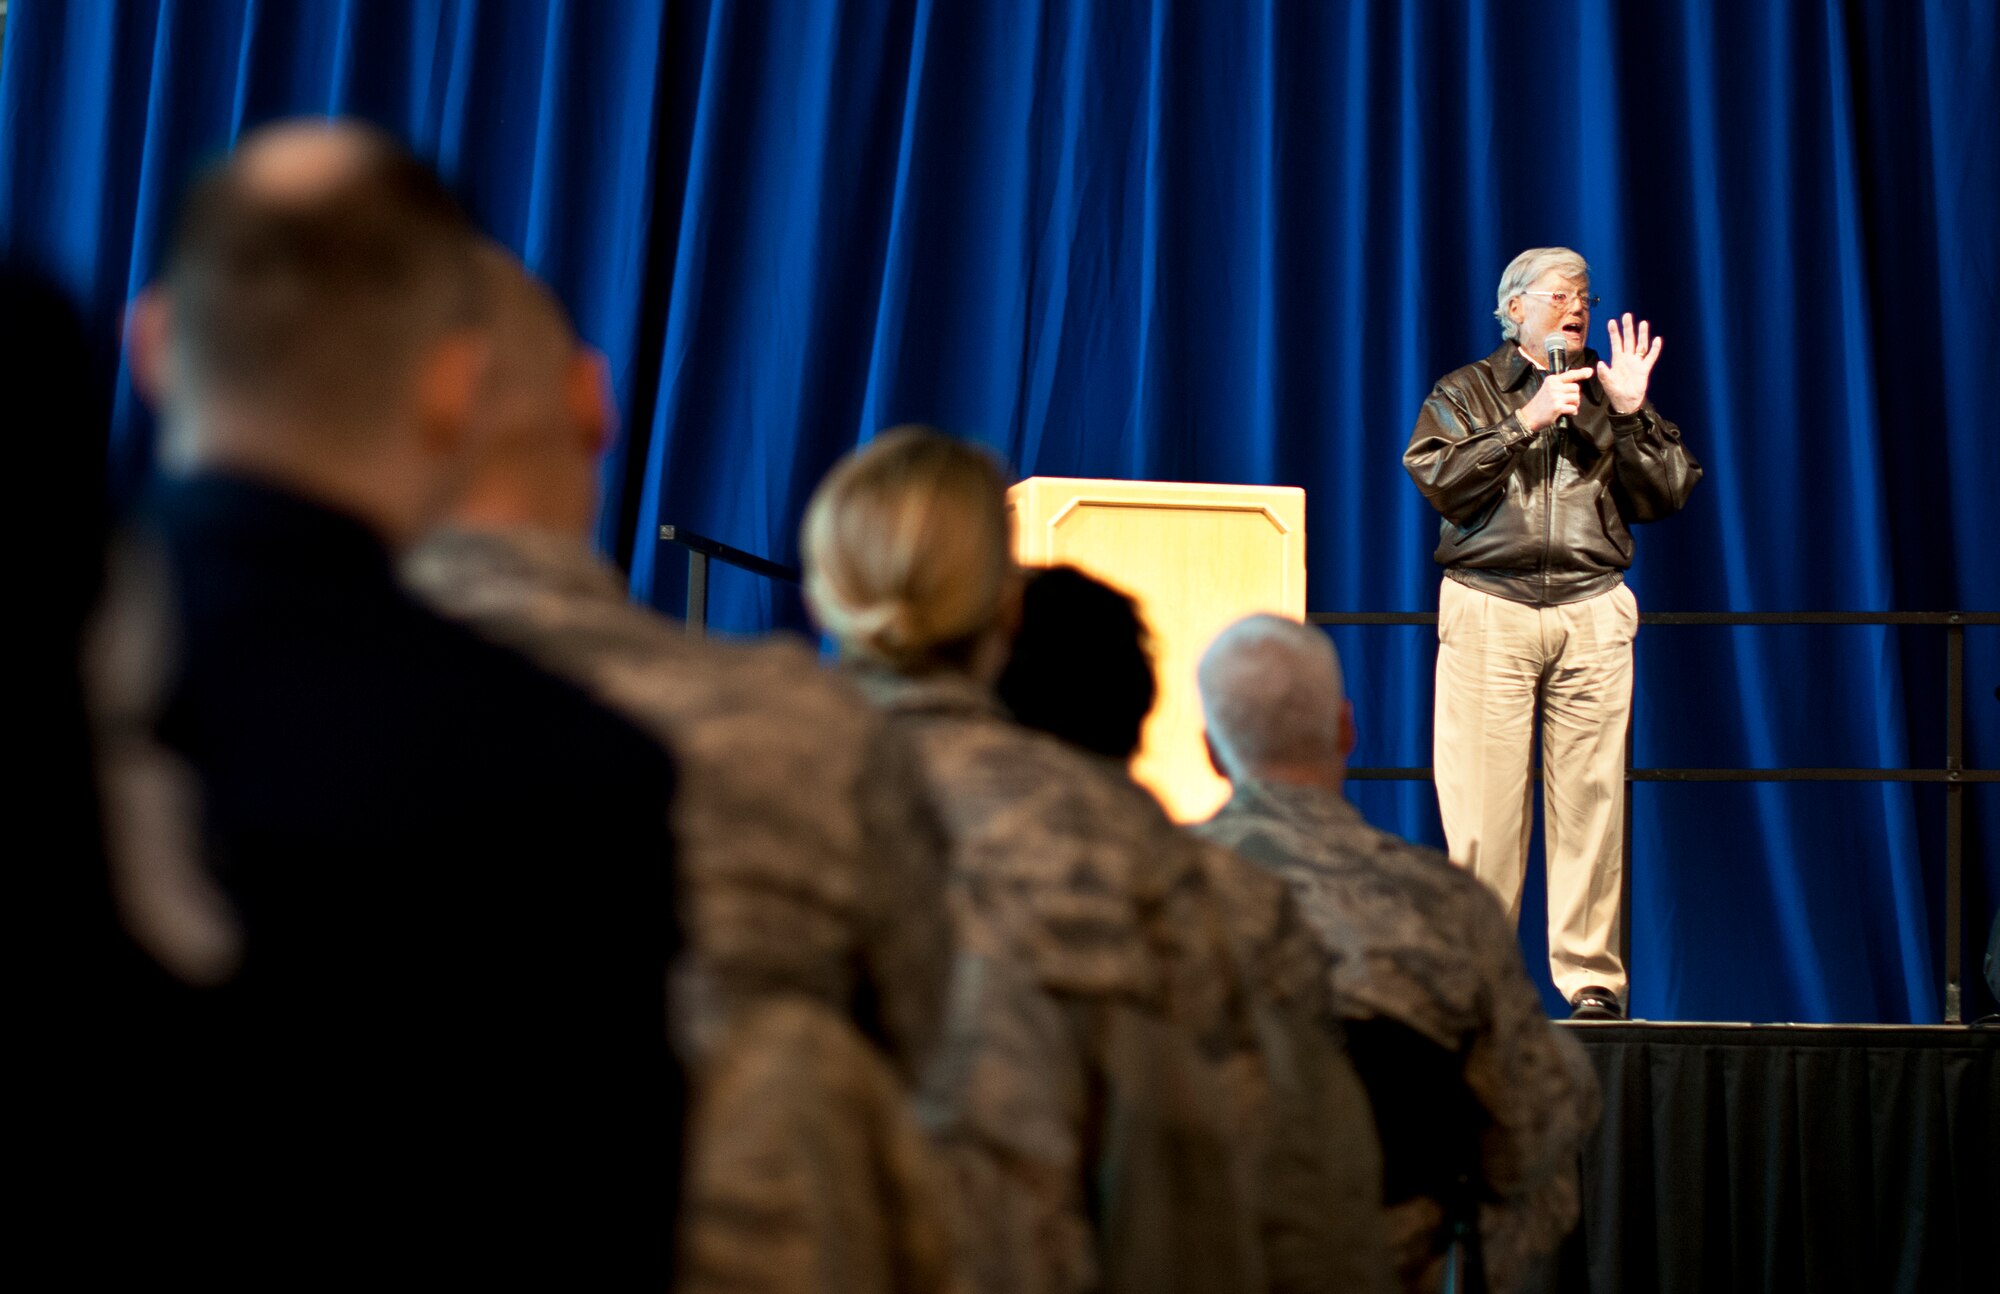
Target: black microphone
1557, 347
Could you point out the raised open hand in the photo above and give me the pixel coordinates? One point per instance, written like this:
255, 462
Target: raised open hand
1631, 366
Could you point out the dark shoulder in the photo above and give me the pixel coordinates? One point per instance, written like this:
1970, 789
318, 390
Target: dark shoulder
1482, 374
355, 682
494, 725
469, 673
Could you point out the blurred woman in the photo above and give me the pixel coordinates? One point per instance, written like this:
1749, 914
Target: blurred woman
1104, 1094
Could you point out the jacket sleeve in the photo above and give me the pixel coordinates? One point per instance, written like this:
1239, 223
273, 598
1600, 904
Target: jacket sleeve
1457, 465
1654, 471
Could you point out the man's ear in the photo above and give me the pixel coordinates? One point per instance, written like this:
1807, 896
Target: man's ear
1348, 736
148, 334
447, 392
587, 399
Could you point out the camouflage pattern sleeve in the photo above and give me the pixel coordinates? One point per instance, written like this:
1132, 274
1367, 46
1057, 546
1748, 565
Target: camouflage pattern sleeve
1519, 1236
906, 940
1317, 1177
1535, 1081
1532, 1078
1004, 1102
807, 1172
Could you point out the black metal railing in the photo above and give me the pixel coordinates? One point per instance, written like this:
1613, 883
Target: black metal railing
701, 550
1954, 775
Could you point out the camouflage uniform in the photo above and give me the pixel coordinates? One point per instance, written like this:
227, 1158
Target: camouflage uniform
809, 1170
811, 871
1138, 1090
1422, 943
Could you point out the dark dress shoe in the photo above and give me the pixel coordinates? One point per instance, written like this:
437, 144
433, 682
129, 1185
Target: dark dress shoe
1594, 1003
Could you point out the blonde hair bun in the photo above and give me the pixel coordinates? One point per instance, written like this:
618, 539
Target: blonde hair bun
906, 549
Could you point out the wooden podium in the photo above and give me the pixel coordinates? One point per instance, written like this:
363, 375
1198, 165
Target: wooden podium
1196, 558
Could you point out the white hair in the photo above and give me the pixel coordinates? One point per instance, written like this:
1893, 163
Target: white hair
1271, 695
1525, 269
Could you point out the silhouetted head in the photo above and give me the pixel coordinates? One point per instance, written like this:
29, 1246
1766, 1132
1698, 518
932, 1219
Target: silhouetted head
1080, 667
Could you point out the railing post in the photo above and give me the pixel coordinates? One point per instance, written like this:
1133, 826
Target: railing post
697, 604
1954, 818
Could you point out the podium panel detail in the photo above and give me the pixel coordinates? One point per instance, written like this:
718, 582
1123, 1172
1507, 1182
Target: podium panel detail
1196, 558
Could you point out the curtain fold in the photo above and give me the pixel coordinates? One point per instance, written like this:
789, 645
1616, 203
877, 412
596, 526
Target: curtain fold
1172, 239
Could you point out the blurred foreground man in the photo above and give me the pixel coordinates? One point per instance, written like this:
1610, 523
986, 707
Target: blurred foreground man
818, 936
1476, 1094
1541, 458
412, 900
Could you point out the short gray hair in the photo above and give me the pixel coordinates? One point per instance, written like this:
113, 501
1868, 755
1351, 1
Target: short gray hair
1271, 694
311, 270
1525, 269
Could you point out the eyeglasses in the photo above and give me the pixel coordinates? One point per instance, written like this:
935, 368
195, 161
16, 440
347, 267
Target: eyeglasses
1561, 300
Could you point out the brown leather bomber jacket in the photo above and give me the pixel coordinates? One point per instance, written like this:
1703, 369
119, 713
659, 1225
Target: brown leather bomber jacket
1541, 518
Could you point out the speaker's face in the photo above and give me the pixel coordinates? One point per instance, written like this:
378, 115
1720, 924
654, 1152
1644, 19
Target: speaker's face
1552, 304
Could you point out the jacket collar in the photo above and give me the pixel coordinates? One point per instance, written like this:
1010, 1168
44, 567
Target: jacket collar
263, 521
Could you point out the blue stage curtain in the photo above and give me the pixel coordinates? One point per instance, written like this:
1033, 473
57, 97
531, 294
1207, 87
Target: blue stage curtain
1237, 242
542, 114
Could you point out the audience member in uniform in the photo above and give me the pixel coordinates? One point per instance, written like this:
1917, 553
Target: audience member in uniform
1081, 669
811, 871
419, 896
1104, 1097
1468, 1075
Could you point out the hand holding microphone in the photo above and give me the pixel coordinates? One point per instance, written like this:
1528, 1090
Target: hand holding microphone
1561, 393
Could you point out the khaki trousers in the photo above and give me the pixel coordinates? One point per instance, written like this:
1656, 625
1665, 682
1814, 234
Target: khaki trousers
1498, 662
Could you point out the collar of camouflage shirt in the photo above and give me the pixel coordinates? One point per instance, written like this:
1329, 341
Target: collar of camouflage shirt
937, 692
1294, 802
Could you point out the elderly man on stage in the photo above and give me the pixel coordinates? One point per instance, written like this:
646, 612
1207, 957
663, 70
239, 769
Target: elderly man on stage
1539, 471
